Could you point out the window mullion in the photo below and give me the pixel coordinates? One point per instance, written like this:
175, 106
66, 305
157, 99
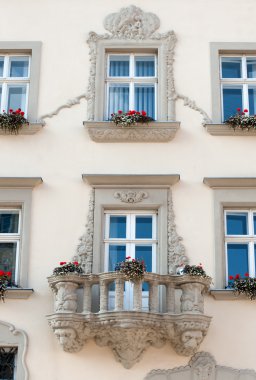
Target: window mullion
245, 96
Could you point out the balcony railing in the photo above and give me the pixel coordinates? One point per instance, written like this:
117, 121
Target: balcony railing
173, 310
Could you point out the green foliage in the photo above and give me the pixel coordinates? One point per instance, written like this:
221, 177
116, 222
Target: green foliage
242, 120
133, 269
130, 118
195, 270
12, 121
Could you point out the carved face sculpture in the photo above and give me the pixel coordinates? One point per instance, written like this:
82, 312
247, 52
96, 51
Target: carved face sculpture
191, 339
66, 337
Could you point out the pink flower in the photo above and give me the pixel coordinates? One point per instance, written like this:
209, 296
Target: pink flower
63, 262
120, 111
238, 109
245, 110
128, 257
75, 263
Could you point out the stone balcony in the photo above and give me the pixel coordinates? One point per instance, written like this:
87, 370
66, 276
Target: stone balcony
174, 313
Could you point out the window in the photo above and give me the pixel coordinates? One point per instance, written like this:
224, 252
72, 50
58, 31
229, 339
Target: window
131, 83
8, 363
14, 81
235, 227
19, 76
10, 236
233, 76
238, 83
240, 240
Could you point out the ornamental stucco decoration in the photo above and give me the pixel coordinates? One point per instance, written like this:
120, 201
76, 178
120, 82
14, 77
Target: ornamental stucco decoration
84, 251
131, 196
176, 250
132, 24
202, 366
128, 333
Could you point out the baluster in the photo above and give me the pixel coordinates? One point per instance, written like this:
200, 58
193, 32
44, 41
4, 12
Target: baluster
87, 298
119, 294
66, 297
192, 300
137, 296
103, 296
153, 297
170, 298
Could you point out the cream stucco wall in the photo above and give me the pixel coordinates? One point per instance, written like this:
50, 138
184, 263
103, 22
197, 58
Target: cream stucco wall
62, 151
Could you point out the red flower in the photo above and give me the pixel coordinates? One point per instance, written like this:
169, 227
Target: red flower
133, 112
10, 110
137, 113
63, 262
243, 113
143, 113
237, 276
128, 257
238, 109
18, 110
120, 111
231, 277
9, 274
22, 113
246, 274
245, 110
2, 273
75, 263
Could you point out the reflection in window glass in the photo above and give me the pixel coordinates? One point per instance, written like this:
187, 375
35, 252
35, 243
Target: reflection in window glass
1, 66
252, 100
232, 99
237, 224
117, 253
231, 67
7, 362
119, 66
143, 227
17, 97
251, 67
19, 67
9, 222
117, 228
237, 259
143, 252
8, 252
145, 66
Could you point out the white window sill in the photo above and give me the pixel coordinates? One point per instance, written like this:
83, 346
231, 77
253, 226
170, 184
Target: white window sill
18, 293
225, 130
104, 131
226, 295
30, 129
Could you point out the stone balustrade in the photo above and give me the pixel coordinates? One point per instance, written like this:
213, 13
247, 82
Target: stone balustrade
174, 312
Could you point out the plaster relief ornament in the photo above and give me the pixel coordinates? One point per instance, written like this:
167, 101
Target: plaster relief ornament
131, 196
131, 23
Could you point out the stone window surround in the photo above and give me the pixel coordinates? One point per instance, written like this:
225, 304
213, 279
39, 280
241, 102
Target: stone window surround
11, 337
17, 191
217, 48
145, 46
156, 188
33, 48
228, 193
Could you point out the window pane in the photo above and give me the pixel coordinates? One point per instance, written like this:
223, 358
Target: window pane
254, 224
117, 228
118, 98
143, 252
145, 99
117, 253
252, 100
8, 253
1, 66
9, 222
251, 67
237, 259
19, 67
145, 66
119, 66
17, 97
0, 96
232, 99
231, 67
143, 227
237, 224
7, 362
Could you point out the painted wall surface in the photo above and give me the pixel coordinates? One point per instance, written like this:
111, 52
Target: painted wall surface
62, 151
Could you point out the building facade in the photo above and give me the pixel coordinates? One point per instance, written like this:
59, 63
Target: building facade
179, 189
